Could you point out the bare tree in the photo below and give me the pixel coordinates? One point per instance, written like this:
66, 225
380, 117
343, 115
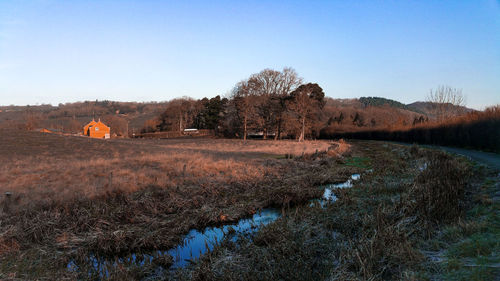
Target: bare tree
117, 124
305, 102
150, 126
244, 97
267, 82
289, 81
179, 114
446, 102
32, 119
74, 126
274, 87
260, 101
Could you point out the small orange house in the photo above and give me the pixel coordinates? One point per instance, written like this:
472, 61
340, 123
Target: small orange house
97, 130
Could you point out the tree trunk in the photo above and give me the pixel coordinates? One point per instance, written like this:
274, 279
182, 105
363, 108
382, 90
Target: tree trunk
245, 129
180, 122
278, 130
302, 133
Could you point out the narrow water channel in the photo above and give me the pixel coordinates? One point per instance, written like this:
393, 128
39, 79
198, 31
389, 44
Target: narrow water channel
329, 196
197, 243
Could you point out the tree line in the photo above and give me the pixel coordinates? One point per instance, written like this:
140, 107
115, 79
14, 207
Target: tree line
378, 101
270, 103
477, 130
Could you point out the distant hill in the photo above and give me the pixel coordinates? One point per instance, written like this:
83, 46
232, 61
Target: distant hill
338, 115
422, 106
426, 108
70, 117
378, 101
349, 115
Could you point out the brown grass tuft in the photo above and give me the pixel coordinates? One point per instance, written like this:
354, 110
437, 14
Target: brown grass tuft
438, 192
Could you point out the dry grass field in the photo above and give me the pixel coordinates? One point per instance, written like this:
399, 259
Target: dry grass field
75, 198
36, 165
78, 196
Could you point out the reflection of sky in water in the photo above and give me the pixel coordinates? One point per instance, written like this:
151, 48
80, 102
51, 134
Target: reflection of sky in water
329, 196
195, 243
422, 167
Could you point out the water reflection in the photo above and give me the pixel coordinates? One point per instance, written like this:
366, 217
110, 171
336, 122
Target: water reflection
329, 196
197, 243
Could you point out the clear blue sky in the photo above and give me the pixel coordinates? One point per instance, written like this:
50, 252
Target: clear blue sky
65, 51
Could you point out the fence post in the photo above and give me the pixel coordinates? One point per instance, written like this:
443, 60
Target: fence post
184, 172
7, 201
110, 181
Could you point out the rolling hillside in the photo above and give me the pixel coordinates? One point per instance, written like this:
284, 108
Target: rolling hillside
339, 115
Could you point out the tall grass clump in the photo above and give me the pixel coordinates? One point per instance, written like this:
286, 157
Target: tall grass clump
386, 247
438, 194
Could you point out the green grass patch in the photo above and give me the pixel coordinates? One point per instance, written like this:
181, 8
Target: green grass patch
478, 211
274, 156
359, 162
489, 182
474, 248
477, 269
478, 273
454, 264
479, 244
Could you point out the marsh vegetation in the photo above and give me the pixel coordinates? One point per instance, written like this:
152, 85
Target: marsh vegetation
72, 197
92, 209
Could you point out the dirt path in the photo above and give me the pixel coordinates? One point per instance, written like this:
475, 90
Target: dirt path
488, 158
